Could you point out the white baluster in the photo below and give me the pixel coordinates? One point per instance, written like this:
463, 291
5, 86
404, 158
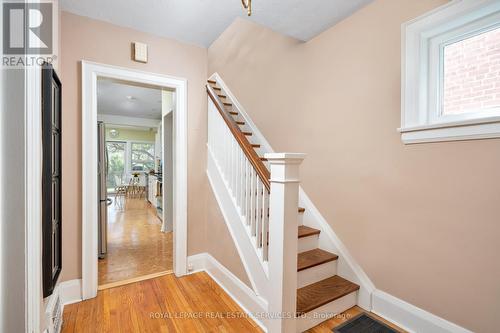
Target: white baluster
238, 179
233, 165
265, 224
258, 211
236, 175
225, 143
246, 190
221, 146
253, 207
228, 142
242, 183
218, 133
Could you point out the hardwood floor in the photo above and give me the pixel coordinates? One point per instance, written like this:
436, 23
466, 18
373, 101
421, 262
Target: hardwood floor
194, 303
136, 246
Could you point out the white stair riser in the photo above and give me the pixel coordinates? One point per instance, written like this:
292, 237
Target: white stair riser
300, 219
316, 273
325, 312
308, 243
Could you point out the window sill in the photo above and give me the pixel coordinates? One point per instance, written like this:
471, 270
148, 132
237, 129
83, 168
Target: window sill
456, 131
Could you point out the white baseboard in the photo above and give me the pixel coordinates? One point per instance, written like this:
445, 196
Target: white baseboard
70, 291
243, 295
410, 317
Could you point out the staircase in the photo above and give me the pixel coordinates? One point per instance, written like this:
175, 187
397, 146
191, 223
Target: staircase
249, 173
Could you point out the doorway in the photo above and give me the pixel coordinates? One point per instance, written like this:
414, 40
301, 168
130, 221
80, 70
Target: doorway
136, 201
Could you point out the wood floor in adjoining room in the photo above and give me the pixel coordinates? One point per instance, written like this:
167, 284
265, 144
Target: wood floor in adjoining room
136, 246
193, 303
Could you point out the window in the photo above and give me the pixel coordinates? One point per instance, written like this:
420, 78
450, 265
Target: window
116, 164
471, 77
142, 156
451, 73
126, 158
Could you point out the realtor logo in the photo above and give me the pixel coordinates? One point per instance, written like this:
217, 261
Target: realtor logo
27, 28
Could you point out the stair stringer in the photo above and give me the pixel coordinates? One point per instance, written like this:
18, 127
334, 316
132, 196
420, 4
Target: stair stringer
256, 270
347, 266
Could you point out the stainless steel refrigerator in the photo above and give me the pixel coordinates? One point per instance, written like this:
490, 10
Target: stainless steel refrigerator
102, 172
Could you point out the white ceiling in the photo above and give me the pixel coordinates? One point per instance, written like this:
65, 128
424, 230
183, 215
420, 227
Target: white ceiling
112, 99
200, 22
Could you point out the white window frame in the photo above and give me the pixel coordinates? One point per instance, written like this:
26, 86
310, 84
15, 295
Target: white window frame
423, 42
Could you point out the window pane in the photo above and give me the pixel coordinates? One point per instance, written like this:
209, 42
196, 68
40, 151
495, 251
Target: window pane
116, 166
472, 74
142, 156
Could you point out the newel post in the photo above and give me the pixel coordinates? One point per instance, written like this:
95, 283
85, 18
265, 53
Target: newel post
283, 205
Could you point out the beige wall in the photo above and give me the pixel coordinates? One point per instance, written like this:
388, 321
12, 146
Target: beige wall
422, 220
220, 243
84, 38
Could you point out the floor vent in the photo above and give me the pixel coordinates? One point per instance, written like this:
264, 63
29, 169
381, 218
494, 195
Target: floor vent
53, 313
363, 323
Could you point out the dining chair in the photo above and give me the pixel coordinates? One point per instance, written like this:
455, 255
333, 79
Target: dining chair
121, 191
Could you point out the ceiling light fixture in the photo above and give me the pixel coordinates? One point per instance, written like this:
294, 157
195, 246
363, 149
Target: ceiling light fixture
247, 4
114, 133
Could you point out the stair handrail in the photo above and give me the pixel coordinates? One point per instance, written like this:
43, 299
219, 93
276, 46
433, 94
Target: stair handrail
242, 140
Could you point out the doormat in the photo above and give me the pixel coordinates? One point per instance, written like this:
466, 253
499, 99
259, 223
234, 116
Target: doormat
363, 323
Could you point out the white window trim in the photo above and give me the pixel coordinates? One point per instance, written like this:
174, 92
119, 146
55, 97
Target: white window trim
423, 40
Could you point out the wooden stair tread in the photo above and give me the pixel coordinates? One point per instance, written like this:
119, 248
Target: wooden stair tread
240, 122
301, 210
313, 258
254, 145
227, 103
247, 133
323, 292
211, 81
307, 231
216, 88
233, 113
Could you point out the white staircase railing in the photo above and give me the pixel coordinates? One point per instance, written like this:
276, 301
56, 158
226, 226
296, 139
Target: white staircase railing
248, 192
260, 209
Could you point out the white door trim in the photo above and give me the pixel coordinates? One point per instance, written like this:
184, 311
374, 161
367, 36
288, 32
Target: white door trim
90, 72
33, 193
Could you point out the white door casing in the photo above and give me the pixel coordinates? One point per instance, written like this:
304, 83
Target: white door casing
90, 73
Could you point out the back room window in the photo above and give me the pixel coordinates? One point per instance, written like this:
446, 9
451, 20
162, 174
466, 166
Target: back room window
142, 156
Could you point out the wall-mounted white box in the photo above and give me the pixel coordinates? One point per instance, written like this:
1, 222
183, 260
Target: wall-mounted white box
140, 52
